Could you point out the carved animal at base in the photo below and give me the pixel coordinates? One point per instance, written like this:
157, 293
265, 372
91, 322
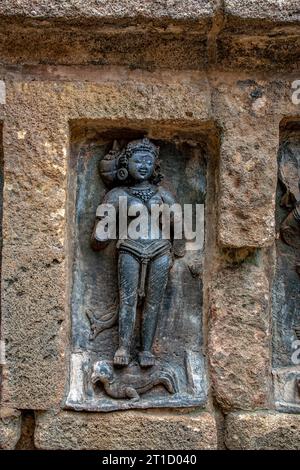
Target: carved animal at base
127, 384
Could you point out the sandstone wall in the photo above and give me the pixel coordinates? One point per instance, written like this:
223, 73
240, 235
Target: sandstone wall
225, 67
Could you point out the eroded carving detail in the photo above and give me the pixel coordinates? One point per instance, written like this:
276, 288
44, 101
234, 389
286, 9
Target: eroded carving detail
130, 382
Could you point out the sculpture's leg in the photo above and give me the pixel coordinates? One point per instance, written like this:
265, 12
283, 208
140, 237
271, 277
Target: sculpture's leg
129, 269
156, 284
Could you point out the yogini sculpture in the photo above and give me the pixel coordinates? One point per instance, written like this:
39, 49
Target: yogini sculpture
143, 263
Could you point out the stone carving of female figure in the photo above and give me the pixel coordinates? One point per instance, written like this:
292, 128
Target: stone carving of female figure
143, 263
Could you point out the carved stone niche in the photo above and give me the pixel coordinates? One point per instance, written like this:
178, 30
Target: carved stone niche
286, 286
173, 374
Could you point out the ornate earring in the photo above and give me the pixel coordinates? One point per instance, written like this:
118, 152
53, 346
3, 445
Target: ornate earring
122, 174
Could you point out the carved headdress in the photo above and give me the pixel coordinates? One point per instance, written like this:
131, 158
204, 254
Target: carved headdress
141, 145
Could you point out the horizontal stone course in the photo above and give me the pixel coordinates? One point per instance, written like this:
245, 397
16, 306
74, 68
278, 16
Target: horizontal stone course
283, 11
125, 430
273, 10
263, 431
175, 9
190, 34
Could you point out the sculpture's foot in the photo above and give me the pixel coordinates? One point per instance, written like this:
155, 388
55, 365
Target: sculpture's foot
146, 359
121, 357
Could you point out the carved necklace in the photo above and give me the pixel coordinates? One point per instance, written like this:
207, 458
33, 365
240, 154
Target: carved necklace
143, 193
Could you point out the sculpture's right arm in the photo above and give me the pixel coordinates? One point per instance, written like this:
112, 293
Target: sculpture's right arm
106, 220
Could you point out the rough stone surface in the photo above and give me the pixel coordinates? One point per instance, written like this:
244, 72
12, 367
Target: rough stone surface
239, 336
139, 34
263, 431
139, 48
261, 52
221, 67
259, 35
10, 428
249, 142
282, 11
135, 33
176, 9
249, 109
130, 430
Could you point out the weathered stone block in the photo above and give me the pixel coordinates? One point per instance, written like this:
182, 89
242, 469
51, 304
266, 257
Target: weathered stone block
263, 431
247, 216
272, 10
239, 336
135, 33
10, 428
109, 64
125, 430
274, 45
191, 34
139, 48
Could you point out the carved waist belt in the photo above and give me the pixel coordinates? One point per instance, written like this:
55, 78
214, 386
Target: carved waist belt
144, 252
